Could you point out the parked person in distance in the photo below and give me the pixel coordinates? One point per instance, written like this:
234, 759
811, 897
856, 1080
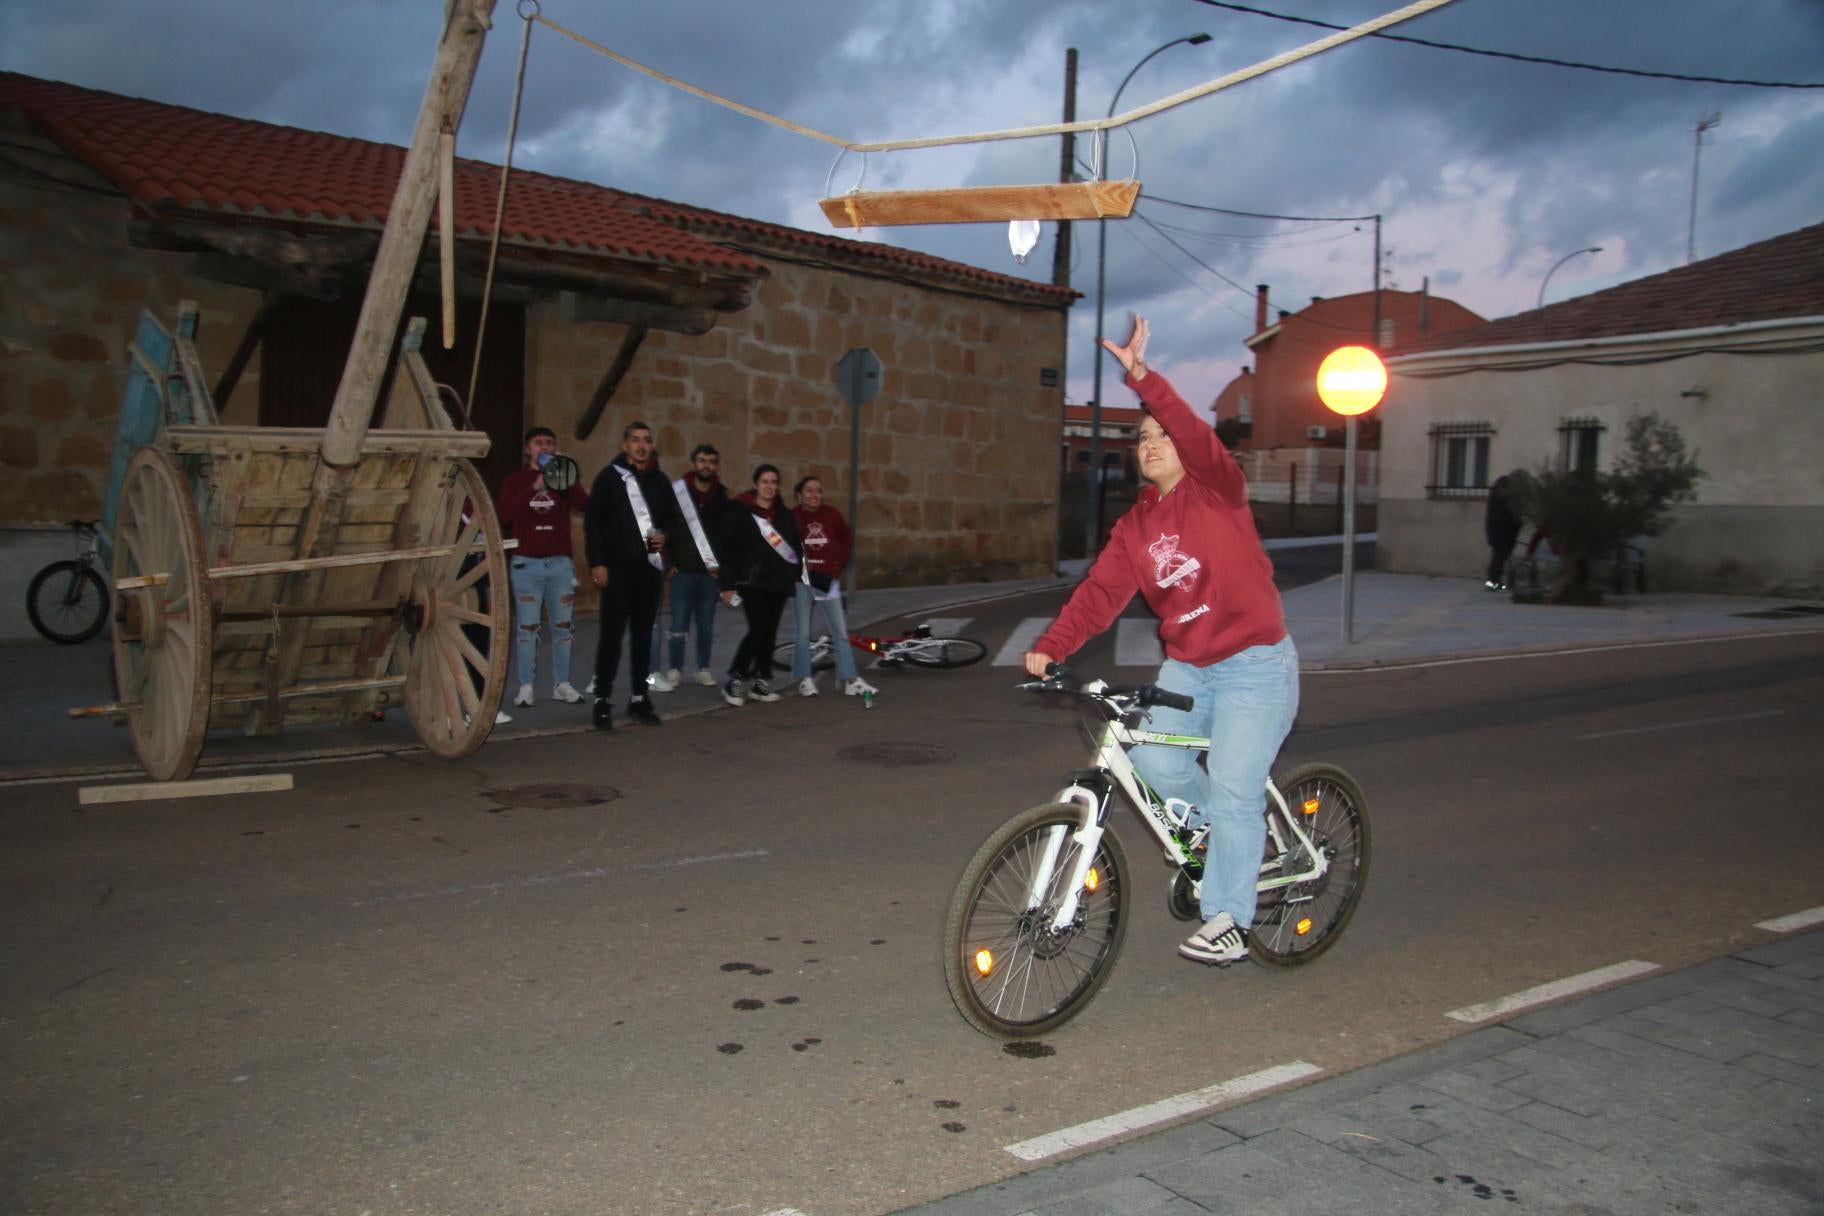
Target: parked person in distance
827, 545
1501, 527
700, 501
542, 566
1188, 545
630, 513
759, 546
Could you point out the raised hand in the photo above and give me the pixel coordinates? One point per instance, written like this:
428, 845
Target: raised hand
1132, 355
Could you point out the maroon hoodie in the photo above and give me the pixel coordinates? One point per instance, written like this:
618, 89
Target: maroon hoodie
1193, 554
827, 539
539, 519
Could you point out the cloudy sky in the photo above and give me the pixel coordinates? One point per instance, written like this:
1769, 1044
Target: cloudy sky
1486, 170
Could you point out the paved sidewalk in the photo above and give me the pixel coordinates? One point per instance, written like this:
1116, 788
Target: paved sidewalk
1699, 1090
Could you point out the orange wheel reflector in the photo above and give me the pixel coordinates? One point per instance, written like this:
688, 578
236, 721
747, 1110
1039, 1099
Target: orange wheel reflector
1092, 880
1311, 806
984, 961
1303, 927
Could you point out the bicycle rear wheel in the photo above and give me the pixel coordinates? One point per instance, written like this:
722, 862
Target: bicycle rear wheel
946, 652
823, 655
1295, 924
68, 602
1010, 975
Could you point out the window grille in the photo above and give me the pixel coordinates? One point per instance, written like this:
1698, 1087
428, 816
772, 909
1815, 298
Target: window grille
1578, 442
1459, 459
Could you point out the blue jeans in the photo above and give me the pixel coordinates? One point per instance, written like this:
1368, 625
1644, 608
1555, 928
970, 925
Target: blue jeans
1245, 705
547, 583
693, 596
802, 600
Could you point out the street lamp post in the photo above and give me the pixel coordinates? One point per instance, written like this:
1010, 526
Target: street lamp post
1095, 404
1540, 302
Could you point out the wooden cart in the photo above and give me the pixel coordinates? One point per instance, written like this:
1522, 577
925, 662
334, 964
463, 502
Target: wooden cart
269, 575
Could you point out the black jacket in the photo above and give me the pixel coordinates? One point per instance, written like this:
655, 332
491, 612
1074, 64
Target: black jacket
1500, 522
747, 560
612, 532
680, 546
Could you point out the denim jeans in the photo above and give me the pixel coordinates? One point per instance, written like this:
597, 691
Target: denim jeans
547, 583
802, 600
693, 596
1245, 705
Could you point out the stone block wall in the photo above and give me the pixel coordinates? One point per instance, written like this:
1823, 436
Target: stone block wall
958, 478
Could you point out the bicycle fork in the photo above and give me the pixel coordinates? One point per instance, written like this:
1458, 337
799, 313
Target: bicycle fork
1087, 839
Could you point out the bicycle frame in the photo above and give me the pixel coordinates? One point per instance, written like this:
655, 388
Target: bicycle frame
1091, 789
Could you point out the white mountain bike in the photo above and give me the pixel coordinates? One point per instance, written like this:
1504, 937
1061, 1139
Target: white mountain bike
1040, 911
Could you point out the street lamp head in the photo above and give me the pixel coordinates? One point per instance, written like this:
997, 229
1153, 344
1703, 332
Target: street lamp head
1197, 39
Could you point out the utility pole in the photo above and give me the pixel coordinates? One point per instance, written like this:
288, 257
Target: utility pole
1067, 171
1697, 151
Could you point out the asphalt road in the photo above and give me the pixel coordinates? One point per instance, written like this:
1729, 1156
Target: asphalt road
695, 969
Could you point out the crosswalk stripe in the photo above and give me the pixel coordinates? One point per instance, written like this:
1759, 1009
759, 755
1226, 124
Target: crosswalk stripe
1137, 643
1020, 641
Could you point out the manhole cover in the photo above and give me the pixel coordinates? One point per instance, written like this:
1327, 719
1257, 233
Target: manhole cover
557, 795
896, 755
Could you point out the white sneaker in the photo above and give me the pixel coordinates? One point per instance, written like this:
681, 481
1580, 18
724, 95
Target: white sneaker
669, 681
524, 696
807, 687
1220, 941
590, 690
858, 687
565, 693
502, 717
704, 678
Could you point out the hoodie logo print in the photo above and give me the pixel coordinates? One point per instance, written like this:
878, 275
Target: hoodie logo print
1170, 567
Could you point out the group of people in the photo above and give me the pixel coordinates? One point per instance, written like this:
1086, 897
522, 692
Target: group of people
648, 535
1188, 546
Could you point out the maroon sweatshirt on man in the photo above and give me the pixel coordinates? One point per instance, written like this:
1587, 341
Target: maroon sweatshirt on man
539, 519
1194, 554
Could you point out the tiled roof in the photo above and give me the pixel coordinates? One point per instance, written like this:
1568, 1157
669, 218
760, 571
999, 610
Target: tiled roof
169, 157
1782, 276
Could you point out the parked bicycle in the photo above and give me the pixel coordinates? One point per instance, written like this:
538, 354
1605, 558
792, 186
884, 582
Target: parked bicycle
1040, 913
919, 648
68, 600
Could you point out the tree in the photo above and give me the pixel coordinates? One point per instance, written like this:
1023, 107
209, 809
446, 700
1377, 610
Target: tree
1590, 515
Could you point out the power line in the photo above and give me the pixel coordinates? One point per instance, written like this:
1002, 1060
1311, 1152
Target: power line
1518, 58
1262, 215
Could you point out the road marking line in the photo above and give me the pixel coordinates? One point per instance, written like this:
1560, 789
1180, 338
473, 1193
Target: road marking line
1013, 650
1647, 730
1552, 991
1175, 1107
1546, 651
948, 626
1798, 920
545, 880
1137, 643
783, 1212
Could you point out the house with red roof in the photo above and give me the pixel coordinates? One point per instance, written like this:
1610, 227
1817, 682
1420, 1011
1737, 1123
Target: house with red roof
1730, 350
604, 307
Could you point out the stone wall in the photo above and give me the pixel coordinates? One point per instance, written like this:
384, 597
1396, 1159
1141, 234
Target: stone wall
958, 479
71, 291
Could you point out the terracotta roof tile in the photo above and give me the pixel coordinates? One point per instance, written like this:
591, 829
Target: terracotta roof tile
170, 157
1782, 276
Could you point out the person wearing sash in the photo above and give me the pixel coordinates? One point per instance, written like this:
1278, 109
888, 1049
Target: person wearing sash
544, 575
700, 500
630, 513
827, 542
758, 544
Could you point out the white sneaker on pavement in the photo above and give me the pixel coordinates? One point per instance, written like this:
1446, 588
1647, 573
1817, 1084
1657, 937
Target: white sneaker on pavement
502, 717
564, 693
524, 695
857, 687
704, 678
663, 682
807, 687
1219, 941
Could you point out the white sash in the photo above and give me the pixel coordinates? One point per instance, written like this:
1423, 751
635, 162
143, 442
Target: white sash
771, 536
687, 506
641, 515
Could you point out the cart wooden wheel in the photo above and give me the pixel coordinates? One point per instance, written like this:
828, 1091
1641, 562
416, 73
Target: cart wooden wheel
164, 636
453, 687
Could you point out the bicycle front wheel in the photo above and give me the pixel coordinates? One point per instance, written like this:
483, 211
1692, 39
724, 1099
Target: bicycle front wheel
1011, 974
67, 602
823, 655
1294, 924
945, 652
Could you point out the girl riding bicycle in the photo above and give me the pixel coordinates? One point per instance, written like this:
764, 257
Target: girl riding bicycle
1189, 547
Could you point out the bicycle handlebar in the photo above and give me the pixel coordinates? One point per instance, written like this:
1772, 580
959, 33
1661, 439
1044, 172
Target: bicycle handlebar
1058, 678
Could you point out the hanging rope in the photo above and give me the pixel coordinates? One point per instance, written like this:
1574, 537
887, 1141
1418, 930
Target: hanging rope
1416, 9
528, 11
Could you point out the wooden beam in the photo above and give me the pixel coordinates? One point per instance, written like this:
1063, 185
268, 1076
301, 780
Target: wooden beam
979, 204
677, 319
150, 791
611, 380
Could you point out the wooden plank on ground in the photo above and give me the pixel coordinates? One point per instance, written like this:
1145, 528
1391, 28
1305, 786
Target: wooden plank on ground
152, 791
